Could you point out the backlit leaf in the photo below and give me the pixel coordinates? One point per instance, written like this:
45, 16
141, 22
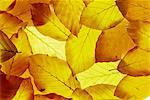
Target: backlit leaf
136, 62
19, 63
56, 72
9, 86
102, 92
44, 45
100, 73
101, 14
7, 48
80, 51
69, 12
135, 9
81, 95
47, 23
140, 33
132, 88
25, 91
6, 4
9, 24
114, 43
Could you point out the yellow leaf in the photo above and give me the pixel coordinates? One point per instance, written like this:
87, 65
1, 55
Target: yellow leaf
51, 70
135, 63
101, 14
140, 33
25, 91
80, 51
100, 73
102, 92
114, 43
6, 4
135, 9
7, 48
47, 23
79, 94
45, 45
133, 88
69, 12
19, 63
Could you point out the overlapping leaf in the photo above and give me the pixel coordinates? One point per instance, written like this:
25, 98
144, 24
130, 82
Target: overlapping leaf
133, 88
101, 14
135, 9
42, 69
100, 73
80, 51
69, 12
114, 43
47, 23
7, 48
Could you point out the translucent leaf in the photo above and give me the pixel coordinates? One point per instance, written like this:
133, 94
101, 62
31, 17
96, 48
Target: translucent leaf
100, 73
114, 43
80, 51
133, 88
79, 94
10, 24
69, 12
135, 63
44, 45
25, 91
101, 14
51, 96
102, 92
140, 33
19, 63
135, 9
9, 86
51, 70
47, 23
6, 5
22, 10
7, 48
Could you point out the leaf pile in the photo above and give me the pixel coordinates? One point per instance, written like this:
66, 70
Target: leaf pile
74, 49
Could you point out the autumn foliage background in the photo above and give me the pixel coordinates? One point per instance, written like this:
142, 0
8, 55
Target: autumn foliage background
74, 49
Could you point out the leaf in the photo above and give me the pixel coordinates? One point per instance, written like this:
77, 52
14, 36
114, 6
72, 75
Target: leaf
51, 96
9, 86
56, 72
6, 5
102, 92
45, 45
10, 24
7, 48
101, 14
100, 73
135, 10
47, 23
81, 95
69, 12
135, 63
19, 63
139, 32
80, 51
113, 43
25, 91
22, 10
133, 88
86, 2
